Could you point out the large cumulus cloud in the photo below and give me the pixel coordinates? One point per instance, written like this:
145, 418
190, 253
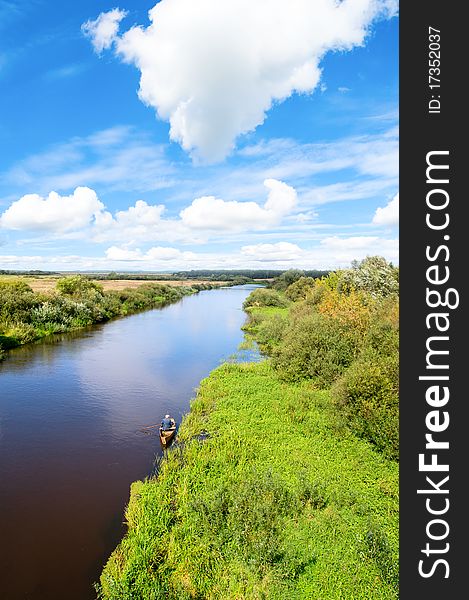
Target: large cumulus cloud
55, 213
213, 68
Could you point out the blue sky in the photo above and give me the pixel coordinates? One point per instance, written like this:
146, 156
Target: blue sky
200, 135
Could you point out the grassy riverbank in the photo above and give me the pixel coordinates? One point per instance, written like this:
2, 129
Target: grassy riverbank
294, 493
75, 302
282, 501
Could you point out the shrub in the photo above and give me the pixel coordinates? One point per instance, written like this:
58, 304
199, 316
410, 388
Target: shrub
382, 338
15, 286
255, 318
270, 331
17, 300
78, 286
322, 286
300, 289
56, 310
315, 346
111, 305
265, 297
350, 310
373, 275
287, 278
21, 333
368, 396
381, 551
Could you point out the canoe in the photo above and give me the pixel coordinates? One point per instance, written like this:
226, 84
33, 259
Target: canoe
167, 435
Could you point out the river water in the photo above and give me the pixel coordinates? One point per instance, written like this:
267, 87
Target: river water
71, 410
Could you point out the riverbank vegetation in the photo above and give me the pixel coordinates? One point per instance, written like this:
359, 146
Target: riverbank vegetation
76, 301
340, 332
292, 491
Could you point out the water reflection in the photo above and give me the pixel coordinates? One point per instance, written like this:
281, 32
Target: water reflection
70, 411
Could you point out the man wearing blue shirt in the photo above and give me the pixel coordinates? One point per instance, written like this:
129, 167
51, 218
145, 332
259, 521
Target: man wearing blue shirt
166, 423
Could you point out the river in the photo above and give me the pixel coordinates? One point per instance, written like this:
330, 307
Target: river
71, 413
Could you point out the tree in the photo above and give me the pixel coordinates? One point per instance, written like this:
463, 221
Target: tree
300, 288
374, 274
78, 286
287, 278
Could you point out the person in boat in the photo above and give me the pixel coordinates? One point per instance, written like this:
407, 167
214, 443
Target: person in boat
167, 423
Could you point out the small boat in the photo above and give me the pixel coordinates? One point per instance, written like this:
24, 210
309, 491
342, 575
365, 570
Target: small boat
166, 435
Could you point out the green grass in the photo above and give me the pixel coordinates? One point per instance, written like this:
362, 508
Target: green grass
280, 501
266, 310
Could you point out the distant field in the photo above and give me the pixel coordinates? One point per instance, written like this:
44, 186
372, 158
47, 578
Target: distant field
47, 284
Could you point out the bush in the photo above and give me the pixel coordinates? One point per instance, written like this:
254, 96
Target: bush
352, 310
111, 305
78, 286
315, 346
15, 286
368, 396
287, 278
300, 289
56, 310
382, 338
17, 300
265, 297
373, 275
21, 333
270, 331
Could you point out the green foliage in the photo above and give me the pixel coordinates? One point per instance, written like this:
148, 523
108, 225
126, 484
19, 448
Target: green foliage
17, 300
78, 286
382, 552
17, 334
277, 503
338, 335
270, 331
287, 278
373, 275
287, 497
315, 347
14, 286
265, 297
368, 395
300, 289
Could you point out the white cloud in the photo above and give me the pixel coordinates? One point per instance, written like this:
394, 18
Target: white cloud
280, 251
103, 30
253, 54
116, 253
125, 160
155, 255
389, 215
140, 214
209, 212
342, 251
330, 253
85, 215
55, 213
349, 190
140, 223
